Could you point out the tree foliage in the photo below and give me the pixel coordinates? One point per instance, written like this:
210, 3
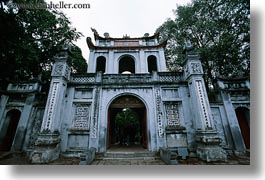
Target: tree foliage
79, 64
126, 117
30, 38
218, 29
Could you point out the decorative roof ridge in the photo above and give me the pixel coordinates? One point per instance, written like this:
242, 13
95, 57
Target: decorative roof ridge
98, 37
92, 46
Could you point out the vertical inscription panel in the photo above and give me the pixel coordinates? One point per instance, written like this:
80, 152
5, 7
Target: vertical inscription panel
159, 113
203, 107
94, 123
51, 107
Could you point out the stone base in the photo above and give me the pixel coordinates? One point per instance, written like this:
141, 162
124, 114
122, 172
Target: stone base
88, 157
208, 148
176, 137
166, 156
211, 153
44, 156
47, 149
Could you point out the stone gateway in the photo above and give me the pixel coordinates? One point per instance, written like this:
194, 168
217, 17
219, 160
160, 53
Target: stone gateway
127, 97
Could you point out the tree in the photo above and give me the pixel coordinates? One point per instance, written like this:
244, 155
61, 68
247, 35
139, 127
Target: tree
127, 116
30, 38
79, 64
219, 30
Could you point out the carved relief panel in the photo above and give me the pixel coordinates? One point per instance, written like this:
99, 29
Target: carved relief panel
81, 117
58, 69
61, 69
196, 68
193, 68
172, 114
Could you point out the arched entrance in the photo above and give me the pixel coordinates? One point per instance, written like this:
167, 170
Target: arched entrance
127, 123
126, 64
9, 129
243, 117
152, 65
101, 64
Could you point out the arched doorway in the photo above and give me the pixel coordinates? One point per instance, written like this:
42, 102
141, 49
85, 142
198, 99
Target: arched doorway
9, 129
101, 64
127, 123
126, 64
152, 65
243, 118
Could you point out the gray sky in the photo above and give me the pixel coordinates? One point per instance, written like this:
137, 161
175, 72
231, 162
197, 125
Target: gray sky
119, 17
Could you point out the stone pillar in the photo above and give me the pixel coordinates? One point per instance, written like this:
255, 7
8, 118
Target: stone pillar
91, 61
161, 62
207, 138
48, 141
143, 62
110, 62
137, 63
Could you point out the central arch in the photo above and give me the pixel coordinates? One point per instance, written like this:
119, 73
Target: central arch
126, 64
127, 123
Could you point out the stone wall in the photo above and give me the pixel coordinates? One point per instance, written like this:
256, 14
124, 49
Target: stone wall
95, 92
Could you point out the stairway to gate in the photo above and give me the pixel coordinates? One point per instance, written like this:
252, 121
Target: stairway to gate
128, 158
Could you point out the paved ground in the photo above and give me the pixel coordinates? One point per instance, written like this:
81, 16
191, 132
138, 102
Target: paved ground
128, 162
232, 160
21, 159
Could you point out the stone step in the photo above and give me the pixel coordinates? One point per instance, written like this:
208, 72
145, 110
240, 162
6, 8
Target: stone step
73, 153
128, 156
127, 162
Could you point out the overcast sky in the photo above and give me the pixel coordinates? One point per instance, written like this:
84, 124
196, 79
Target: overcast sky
119, 17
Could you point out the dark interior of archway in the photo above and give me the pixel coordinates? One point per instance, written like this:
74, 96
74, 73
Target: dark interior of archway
13, 117
243, 118
152, 65
126, 64
101, 64
124, 133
